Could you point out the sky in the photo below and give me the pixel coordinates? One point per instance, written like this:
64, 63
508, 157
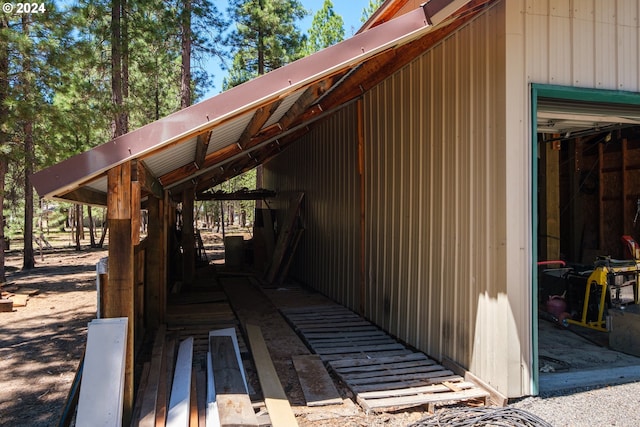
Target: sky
350, 10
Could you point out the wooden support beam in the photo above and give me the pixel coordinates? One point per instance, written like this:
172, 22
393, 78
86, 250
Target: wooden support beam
87, 196
363, 209
201, 148
155, 261
309, 97
118, 294
148, 182
188, 237
258, 120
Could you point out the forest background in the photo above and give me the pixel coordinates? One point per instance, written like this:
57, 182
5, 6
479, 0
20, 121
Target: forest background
75, 74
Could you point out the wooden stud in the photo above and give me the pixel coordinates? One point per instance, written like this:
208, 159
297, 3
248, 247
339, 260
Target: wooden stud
188, 237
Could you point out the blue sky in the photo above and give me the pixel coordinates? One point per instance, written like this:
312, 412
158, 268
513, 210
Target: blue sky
350, 10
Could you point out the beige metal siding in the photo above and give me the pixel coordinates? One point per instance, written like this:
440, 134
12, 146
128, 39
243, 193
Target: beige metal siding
324, 164
583, 43
438, 233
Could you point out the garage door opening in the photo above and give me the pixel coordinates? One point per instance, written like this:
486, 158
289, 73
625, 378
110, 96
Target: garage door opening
587, 229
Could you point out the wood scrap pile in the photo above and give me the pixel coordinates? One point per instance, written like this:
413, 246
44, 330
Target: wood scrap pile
287, 241
216, 395
11, 296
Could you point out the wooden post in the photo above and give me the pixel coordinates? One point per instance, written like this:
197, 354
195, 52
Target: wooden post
118, 294
188, 238
550, 202
155, 262
363, 283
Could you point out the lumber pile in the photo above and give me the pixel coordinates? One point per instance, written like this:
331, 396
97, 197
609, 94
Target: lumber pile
10, 298
175, 390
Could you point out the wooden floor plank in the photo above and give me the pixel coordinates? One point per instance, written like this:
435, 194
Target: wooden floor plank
379, 361
275, 399
317, 385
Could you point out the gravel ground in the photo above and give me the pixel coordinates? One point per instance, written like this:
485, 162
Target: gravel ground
609, 406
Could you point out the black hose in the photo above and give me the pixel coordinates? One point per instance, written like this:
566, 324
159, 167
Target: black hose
477, 417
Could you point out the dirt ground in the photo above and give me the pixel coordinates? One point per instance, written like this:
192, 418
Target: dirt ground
41, 343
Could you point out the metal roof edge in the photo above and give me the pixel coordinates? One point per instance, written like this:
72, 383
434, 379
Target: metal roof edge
70, 173
65, 176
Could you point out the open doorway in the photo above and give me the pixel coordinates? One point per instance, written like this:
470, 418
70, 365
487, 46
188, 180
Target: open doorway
587, 199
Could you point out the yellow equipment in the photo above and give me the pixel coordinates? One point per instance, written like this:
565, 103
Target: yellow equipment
612, 282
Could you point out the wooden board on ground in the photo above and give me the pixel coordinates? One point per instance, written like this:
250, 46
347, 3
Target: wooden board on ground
280, 411
180, 400
317, 385
229, 384
19, 300
150, 396
102, 387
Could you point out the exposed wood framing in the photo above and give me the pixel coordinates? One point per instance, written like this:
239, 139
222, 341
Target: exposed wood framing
148, 182
118, 295
201, 148
363, 208
188, 238
155, 264
258, 120
87, 196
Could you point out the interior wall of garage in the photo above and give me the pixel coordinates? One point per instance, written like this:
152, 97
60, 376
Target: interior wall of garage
324, 165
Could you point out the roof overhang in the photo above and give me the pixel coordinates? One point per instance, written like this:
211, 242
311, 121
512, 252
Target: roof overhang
223, 136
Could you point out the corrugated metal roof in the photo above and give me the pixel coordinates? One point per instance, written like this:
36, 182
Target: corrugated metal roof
251, 122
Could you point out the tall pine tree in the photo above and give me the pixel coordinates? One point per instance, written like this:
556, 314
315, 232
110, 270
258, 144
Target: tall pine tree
327, 29
266, 37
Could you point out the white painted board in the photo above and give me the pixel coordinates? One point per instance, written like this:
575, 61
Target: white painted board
102, 385
180, 400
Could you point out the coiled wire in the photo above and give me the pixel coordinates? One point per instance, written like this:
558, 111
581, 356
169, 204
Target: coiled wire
494, 417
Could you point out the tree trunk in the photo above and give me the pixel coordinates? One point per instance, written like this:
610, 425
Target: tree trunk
117, 69
185, 81
28, 257
92, 228
4, 113
105, 226
78, 226
3, 172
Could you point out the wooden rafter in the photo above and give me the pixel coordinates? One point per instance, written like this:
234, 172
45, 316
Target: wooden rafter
308, 98
148, 182
201, 148
87, 196
258, 120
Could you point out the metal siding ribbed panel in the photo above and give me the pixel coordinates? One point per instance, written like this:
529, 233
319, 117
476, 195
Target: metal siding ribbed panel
606, 44
430, 176
628, 41
324, 165
583, 43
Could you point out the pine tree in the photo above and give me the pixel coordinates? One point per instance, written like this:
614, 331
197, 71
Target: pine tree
370, 9
265, 38
327, 29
